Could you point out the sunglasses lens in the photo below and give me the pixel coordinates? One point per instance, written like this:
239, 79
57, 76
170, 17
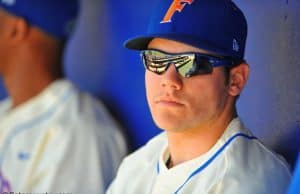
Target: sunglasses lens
198, 66
191, 65
187, 66
155, 61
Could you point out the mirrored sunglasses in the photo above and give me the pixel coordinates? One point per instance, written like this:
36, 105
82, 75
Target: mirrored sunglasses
186, 64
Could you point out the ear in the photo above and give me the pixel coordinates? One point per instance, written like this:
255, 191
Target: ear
19, 30
238, 79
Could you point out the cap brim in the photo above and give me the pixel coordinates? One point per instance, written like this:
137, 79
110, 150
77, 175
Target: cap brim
138, 43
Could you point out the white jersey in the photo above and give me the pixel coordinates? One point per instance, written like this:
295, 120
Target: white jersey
237, 164
61, 141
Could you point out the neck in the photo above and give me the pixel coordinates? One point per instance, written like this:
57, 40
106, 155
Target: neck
26, 80
189, 144
34, 66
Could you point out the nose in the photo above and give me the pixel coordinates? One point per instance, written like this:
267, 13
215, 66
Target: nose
170, 78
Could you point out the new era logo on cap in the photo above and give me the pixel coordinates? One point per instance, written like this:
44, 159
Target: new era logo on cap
235, 45
177, 5
9, 2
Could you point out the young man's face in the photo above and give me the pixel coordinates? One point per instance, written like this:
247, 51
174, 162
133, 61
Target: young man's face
178, 103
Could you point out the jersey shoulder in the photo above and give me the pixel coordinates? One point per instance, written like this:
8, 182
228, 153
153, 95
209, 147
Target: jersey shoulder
147, 154
251, 164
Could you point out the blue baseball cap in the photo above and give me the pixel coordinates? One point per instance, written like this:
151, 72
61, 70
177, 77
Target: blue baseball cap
218, 26
56, 17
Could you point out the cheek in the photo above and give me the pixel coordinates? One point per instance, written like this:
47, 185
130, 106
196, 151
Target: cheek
152, 85
199, 96
206, 93
217, 95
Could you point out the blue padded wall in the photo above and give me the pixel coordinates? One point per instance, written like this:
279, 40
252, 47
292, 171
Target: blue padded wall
98, 63
270, 104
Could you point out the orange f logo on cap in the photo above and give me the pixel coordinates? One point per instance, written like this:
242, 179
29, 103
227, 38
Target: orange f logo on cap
177, 5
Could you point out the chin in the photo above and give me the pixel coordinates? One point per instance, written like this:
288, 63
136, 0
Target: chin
168, 124
169, 120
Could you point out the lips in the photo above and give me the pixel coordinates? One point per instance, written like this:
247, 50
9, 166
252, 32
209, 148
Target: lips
167, 101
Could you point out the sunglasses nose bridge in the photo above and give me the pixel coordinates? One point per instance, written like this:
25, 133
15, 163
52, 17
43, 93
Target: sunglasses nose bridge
171, 78
171, 69
170, 64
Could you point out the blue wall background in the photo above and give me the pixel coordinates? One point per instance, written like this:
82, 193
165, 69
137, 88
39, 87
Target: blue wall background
270, 105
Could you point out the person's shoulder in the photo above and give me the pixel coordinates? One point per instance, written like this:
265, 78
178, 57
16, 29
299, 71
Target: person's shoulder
82, 123
5, 105
86, 120
140, 166
149, 153
255, 152
247, 149
85, 110
251, 163
247, 161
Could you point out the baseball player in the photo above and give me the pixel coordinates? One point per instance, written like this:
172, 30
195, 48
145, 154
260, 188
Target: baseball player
193, 53
53, 138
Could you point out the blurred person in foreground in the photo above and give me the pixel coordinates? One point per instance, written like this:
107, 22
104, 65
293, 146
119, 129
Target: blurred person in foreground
53, 138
